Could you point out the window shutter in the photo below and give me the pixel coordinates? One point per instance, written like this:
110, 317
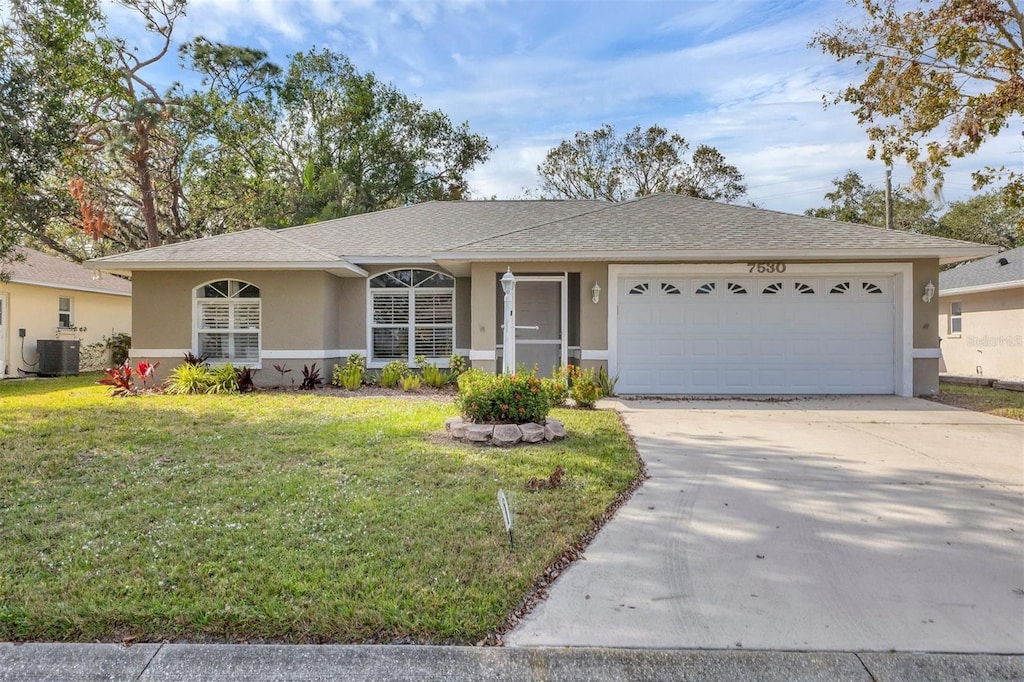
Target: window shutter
213, 315
391, 308
434, 307
247, 316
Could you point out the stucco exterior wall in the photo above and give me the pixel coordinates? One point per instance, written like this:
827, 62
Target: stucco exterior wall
991, 342
298, 312
925, 325
34, 309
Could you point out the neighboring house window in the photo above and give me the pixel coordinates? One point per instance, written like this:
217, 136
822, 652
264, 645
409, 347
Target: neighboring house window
64, 318
228, 322
955, 317
412, 313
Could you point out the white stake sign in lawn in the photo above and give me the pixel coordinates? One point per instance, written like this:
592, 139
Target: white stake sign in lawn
506, 513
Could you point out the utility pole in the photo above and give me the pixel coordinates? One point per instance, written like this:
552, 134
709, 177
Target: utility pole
888, 198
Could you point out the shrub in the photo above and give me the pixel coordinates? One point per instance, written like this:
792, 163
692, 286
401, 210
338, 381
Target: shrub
350, 375
110, 350
557, 386
245, 378
310, 377
513, 398
433, 375
120, 380
456, 366
606, 383
190, 378
191, 359
392, 373
584, 388
411, 382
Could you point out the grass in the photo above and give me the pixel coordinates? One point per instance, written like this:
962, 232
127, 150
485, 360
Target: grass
997, 401
288, 517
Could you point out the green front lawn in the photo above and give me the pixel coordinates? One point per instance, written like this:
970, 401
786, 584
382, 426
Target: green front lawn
997, 401
289, 517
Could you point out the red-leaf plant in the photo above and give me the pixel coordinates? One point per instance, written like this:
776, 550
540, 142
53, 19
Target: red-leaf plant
120, 378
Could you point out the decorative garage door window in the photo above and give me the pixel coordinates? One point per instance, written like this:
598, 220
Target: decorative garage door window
412, 313
228, 322
639, 289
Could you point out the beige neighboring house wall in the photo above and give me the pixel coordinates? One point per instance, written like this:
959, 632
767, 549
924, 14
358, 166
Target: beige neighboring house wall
991, 340
100, 307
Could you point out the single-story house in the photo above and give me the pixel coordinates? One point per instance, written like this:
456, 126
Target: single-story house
981, 317
46, 297
672, 294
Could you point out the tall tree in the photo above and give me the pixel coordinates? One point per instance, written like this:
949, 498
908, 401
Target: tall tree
853, 201
602, 165
51, 70
358, 145
943, 76
984, 218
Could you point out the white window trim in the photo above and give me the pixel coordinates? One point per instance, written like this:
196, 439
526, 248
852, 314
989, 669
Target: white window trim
374, 363
70, 312
197, 300
959, 317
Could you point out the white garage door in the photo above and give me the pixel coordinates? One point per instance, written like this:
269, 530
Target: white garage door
755, 335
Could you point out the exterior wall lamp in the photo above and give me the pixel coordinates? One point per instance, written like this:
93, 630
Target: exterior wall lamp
508, 354
929, 292
595, 292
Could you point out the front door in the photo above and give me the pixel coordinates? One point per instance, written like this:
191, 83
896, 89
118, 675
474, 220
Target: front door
540, 323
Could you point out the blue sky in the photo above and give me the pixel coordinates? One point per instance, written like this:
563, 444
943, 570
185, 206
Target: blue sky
734, 74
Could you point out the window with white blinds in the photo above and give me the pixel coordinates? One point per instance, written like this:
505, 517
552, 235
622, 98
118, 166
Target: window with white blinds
412, 313
228, 322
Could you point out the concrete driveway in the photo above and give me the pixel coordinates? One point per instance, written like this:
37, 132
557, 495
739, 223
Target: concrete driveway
870, 524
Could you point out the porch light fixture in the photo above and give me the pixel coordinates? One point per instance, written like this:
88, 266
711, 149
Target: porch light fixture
508, 352
595, 292
929, 292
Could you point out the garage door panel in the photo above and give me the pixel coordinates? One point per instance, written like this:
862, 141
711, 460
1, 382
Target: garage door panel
781, 342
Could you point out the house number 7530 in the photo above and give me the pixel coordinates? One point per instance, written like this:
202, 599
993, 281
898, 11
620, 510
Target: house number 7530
766, 268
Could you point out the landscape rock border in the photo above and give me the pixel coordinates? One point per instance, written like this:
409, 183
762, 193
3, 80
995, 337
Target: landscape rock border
504, 435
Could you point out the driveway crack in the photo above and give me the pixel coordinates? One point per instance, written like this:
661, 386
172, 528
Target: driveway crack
865, 665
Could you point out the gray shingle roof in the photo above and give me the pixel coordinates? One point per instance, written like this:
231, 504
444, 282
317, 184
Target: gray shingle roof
41, 268
251, 246
462, 230
985, 271
420, 229
672, 222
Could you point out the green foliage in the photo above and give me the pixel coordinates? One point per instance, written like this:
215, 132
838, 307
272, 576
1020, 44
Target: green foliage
984, 218
584, 387
411, 382
391, 374
602, 165
350, 375
853, 201
511, 398
433, 376
605, 382
456, 365
110, 351
189, 378
557, 386
940, 79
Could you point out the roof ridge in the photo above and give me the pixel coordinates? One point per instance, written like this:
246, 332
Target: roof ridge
535, 226
357, 215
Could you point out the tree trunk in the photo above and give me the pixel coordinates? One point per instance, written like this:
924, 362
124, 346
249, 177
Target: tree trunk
142, 170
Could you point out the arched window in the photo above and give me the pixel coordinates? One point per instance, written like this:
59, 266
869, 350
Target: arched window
412, 313
227, 322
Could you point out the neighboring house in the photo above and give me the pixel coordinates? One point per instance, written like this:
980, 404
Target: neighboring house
981, 317
675, 295
46, 297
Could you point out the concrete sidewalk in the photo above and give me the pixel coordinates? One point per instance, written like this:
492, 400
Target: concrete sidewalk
183, 662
